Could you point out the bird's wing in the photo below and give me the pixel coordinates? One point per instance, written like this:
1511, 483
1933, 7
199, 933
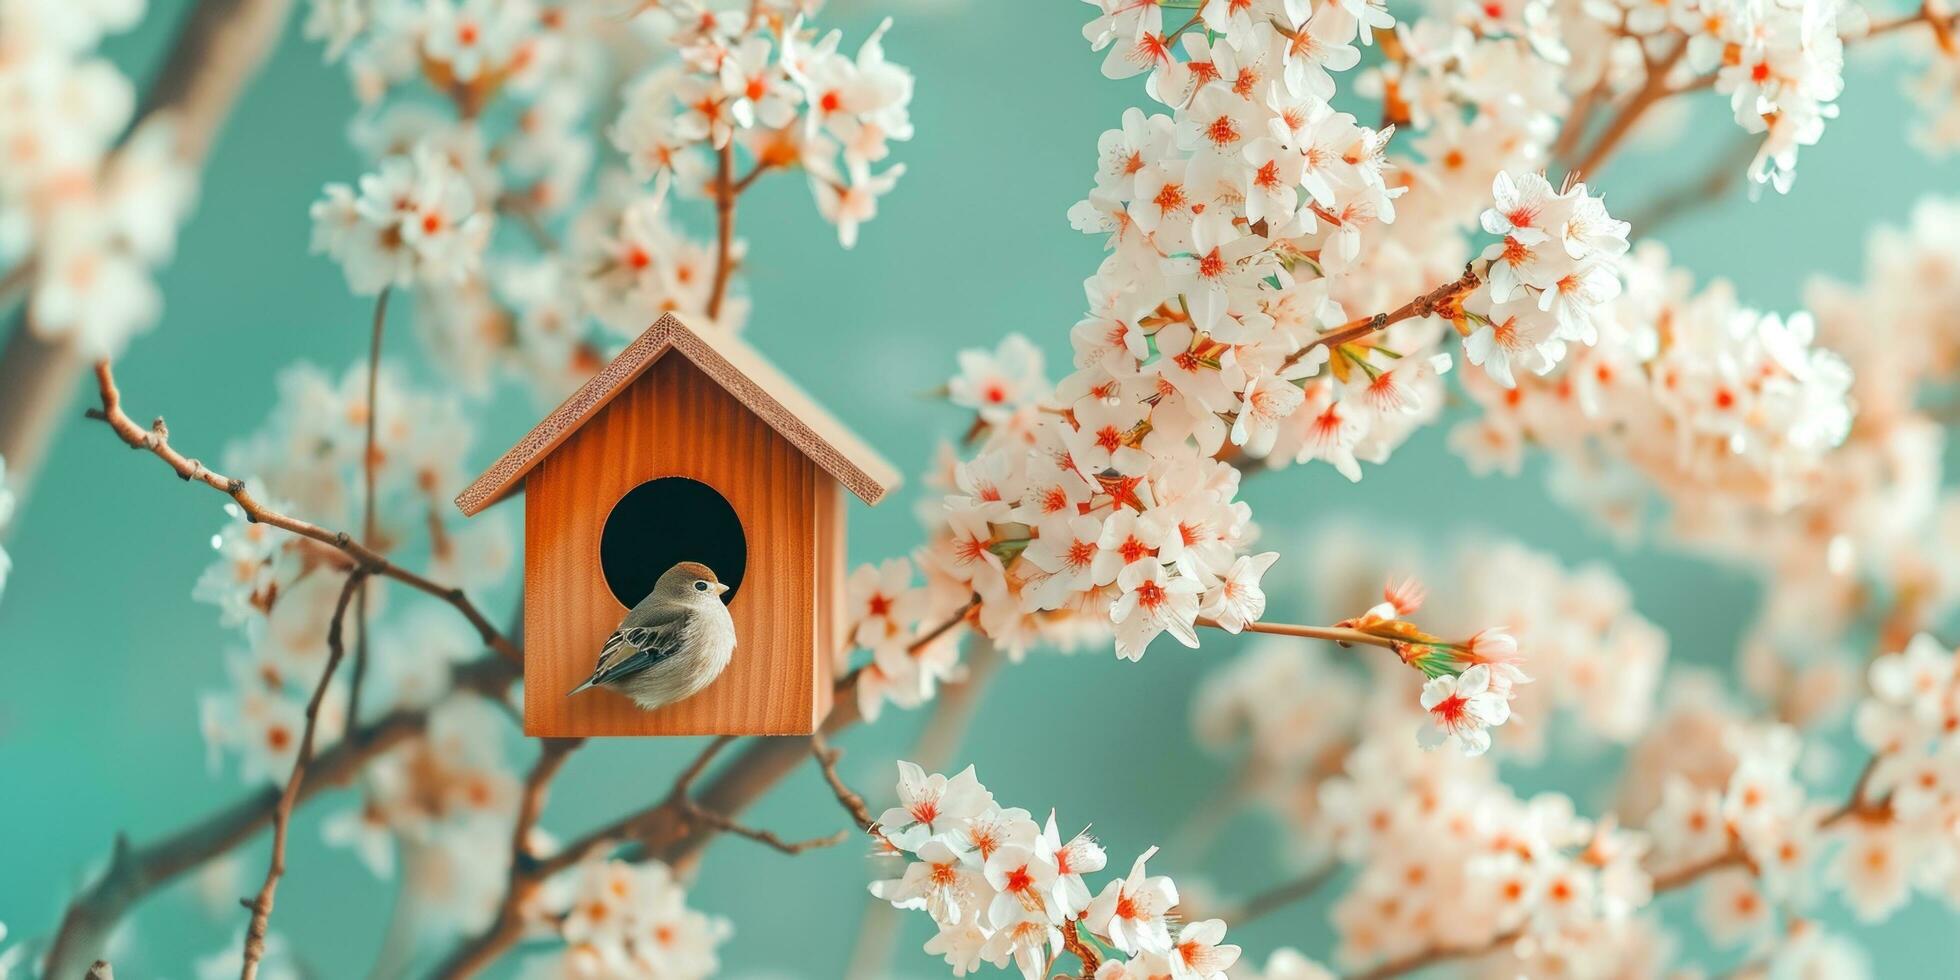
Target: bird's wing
635, 648
651, 612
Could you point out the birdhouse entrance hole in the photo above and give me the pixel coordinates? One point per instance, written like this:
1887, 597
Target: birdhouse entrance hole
665, 521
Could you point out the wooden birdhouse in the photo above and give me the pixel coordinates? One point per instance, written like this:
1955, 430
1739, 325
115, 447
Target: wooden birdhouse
687, 447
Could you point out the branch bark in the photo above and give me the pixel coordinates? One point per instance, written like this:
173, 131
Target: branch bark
220, 48
282, 812
724, 226
156, 441
134, 872
1855, 805
671, 830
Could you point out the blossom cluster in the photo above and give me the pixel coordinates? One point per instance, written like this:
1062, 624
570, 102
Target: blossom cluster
415, 219
1237, 223
1003, 889
1595, 662
1493, 865
1908, 725
789, 97
891, 614
435, 805
1780, 64
1720, 407
1514, 885
1871, 519
627, 920
1527, 879
1550, 278
87, 210
707, 101
1745, 807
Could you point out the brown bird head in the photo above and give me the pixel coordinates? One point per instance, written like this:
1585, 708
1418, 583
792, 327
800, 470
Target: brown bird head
687, 579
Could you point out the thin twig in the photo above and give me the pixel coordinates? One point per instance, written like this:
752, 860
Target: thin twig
134, 872
1704, 189
221, 45
1653, 90
1579, 117
724, 226
1279, 896
1072, 941
1434, 955
523, 878
1428, 303
853, 803
947, 721
751, 178
693, 811
156, 440
1336, 634
527, 218
1855, 805
370, 463
681, 799
282, 815
678, 827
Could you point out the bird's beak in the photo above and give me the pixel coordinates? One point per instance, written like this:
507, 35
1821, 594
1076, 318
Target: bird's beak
718, 588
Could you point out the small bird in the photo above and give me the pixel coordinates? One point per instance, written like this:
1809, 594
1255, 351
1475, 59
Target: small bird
671, 645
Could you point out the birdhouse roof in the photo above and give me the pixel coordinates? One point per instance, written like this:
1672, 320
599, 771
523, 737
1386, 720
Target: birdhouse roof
733, 365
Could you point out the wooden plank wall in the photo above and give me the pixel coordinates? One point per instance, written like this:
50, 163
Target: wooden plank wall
675, 421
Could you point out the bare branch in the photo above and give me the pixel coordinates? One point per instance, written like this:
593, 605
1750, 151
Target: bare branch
282, 814
156, 441
692, 811
508, 925
134, 872
1279, 896
1434, 301
220, 48
724, 227
370, 464
679, 827
853, 803
1072, 941
1855, 805
1333, 634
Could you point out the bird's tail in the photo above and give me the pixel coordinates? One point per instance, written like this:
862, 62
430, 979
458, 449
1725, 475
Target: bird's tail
590, 681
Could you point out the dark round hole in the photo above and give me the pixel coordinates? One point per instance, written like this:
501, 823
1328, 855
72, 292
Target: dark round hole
663, 522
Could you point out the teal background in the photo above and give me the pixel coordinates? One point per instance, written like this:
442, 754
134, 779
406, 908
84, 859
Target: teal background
102, 651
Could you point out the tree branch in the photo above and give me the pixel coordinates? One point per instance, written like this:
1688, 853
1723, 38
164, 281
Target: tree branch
724, 225
677, 828
282, 813
1335, 634
220, 48
1279, 896
853, 803
370, 464
946, 724
134, 872
1424, 305
156, 441
524, 877
1855, 805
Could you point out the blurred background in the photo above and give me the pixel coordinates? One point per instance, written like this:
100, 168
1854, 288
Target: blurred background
102, 653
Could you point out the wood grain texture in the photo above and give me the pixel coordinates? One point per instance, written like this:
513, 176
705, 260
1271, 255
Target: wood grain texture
739, 370
673, 420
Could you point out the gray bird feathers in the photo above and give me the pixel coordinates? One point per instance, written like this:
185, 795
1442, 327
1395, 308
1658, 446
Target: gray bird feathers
670, 646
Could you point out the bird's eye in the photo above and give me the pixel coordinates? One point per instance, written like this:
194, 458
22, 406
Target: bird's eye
700, 586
